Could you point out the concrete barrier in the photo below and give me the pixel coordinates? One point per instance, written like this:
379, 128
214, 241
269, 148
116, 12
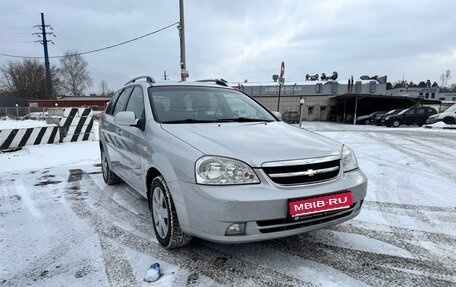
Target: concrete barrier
76, 124
11, 139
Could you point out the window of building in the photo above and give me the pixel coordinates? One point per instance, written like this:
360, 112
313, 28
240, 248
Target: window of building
372, 87
427, 96
318, 87
421, 94
358, 87
441, 99
334, 87
322, 109
310, 111
433, 95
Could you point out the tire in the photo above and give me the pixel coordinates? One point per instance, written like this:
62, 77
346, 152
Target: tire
449, 121
367, 122
396, 123
164, 216
109, 177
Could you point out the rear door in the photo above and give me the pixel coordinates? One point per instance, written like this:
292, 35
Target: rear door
133, 141
111, 131
409, 117
420, 116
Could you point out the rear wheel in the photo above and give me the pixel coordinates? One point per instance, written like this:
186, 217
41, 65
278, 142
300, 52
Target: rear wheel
396, 123
164, 217
108, 176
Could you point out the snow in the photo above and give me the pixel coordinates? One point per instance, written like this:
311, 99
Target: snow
13, 124
440, 125
56, 231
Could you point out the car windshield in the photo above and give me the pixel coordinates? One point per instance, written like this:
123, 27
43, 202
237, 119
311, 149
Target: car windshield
452, 108
390, 112
194, 104
403, 112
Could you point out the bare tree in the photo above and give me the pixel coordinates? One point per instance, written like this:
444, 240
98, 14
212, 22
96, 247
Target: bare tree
445, 77
104, 88
75, 76
27, 79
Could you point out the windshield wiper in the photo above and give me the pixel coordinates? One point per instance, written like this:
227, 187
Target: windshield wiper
242, 119
185, 121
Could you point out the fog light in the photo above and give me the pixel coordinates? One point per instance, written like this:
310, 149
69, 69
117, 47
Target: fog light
235, 229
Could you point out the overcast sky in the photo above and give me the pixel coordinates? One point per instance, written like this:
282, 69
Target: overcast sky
238, 40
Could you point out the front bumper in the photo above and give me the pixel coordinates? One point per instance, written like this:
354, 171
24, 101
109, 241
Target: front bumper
207, 211
433, 120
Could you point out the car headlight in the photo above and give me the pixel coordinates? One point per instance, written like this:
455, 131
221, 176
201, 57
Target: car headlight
216, 170
387, 118
349, 161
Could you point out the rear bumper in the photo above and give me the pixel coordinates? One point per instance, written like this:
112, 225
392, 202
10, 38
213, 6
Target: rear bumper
207, 211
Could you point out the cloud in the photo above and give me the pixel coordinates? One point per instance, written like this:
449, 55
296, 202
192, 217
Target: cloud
241, 40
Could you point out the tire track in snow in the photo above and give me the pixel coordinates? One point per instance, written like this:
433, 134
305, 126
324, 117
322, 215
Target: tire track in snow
372, 268
117, 268
443, 214
195, 257
400, 238
416, 155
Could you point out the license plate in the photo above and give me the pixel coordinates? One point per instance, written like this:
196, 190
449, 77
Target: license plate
320, 204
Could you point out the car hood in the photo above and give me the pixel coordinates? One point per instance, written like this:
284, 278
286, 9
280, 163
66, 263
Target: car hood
442, 115
255, 143
363, 117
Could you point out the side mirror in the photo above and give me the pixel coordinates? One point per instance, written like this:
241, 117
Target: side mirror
126, 118
277, 115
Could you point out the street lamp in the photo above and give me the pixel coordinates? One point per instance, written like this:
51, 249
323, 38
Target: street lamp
301, 105
17, 110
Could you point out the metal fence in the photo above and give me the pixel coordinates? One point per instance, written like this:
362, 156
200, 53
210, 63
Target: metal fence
21, 112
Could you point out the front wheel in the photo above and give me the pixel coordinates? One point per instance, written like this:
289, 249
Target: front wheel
164, 217
449, 121
396, 123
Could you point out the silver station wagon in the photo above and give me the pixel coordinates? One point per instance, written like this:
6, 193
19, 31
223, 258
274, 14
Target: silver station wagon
215, 164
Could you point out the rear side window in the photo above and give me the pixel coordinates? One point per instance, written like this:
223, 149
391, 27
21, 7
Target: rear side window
121, 102
420, 111
136, 103
111, 104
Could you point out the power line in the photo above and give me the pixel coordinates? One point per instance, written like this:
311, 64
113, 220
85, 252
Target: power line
97, 50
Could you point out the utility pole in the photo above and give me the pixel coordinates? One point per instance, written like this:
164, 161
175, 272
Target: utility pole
181, 27
43, 34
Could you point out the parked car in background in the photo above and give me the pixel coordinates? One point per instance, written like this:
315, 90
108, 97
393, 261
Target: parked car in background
290, 117
207, 172
368, 119
410, 116
380, 119
448, 116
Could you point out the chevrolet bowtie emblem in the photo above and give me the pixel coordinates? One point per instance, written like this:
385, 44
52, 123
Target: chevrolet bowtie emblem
310, 172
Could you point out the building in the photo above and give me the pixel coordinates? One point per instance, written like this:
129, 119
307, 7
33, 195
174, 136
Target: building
448, 97
431, 93
96, 103
317, 95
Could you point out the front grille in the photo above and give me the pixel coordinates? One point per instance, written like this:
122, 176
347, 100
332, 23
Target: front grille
283, 224
303, 173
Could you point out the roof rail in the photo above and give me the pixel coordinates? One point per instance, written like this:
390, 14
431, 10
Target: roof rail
148, 79
220, 82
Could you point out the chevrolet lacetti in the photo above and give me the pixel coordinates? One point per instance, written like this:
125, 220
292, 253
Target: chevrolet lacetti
215, 164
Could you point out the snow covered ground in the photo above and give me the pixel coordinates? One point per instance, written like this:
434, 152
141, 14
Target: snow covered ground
60, 225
